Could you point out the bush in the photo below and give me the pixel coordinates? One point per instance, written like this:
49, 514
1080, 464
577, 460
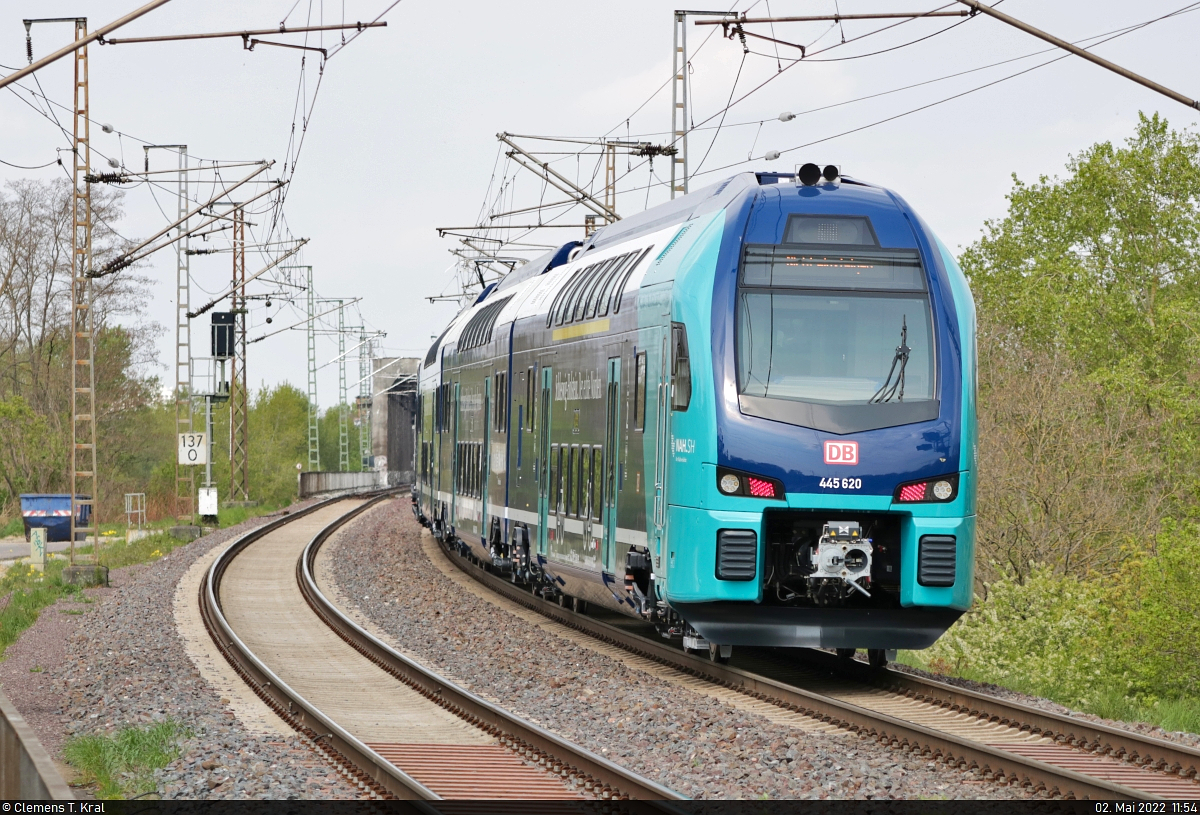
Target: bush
1125, 646
1159, 637
1045, 636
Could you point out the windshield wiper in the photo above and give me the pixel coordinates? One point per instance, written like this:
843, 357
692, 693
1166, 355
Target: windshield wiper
890, 389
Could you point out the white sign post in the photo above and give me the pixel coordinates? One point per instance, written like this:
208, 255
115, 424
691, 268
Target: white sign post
208, 501
192, 449
37, 548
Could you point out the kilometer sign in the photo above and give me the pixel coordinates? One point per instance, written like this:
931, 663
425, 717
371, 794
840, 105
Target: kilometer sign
192, 448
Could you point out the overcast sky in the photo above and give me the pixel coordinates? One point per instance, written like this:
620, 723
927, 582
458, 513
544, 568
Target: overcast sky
401, 137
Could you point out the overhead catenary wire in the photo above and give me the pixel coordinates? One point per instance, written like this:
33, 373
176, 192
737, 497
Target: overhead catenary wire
34, 167
961, 94
80, 43
725, 109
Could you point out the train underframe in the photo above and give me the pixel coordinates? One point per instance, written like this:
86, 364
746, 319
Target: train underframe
831, 580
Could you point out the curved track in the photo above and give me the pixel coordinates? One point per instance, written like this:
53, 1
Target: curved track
1004, 741
400, 728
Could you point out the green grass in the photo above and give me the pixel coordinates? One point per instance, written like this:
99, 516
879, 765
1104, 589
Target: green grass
31, 591
13, 527
115, 552
123, 765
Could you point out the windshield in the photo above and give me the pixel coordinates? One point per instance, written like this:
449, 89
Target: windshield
833, 347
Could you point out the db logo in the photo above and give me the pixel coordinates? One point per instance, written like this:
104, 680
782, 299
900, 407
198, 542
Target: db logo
841, 452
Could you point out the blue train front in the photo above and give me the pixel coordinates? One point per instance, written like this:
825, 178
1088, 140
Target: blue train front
775, 422
828, 499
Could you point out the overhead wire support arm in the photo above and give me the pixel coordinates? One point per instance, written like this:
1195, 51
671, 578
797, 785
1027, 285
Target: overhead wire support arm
979, 7
125, 176
303, 322
82, 42
140, 251
453, 231
351, 350
834, 18
448, 230
259, 32
251, 278
117, 263
553, 177
249, 44
534, 208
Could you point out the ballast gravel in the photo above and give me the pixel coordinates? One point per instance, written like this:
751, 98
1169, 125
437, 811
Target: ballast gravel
694, 744
123, 663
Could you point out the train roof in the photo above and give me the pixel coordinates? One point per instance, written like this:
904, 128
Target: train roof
848, 194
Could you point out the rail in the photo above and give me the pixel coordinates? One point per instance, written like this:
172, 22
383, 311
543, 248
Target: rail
294, 709
563, 758
515, 731
994, 762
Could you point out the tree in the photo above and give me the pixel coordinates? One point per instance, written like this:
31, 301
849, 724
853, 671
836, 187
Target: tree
1102, 264
35, 364
1088, 291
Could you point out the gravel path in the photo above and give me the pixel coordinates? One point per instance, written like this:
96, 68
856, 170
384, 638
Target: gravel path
690, 742
122, 663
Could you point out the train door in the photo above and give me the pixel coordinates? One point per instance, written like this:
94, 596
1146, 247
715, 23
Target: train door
435, 479
456, 464
543, 460
484, 454
612, 437
658, 523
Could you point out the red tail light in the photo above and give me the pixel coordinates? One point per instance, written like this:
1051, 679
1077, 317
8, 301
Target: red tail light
733, 482
760, 488
914, 492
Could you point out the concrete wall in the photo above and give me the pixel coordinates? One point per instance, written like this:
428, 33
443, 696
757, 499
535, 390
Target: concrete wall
26, 772
314, 483
394, 388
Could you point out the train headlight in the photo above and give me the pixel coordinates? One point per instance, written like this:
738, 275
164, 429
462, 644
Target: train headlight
943, 490
730, 484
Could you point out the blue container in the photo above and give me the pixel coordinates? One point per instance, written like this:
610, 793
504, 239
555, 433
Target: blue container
53, 513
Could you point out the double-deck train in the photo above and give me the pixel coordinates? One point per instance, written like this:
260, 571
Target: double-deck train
746, 416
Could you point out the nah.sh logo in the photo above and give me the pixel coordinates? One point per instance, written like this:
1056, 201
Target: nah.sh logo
841, 452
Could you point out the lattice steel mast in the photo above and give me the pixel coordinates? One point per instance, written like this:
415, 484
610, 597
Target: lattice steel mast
343, 407
185, 481
83, 321
364, 400
239, 454
679, 119
314, 426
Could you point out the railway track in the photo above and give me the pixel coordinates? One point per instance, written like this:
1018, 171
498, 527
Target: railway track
1003, 741
397, 727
